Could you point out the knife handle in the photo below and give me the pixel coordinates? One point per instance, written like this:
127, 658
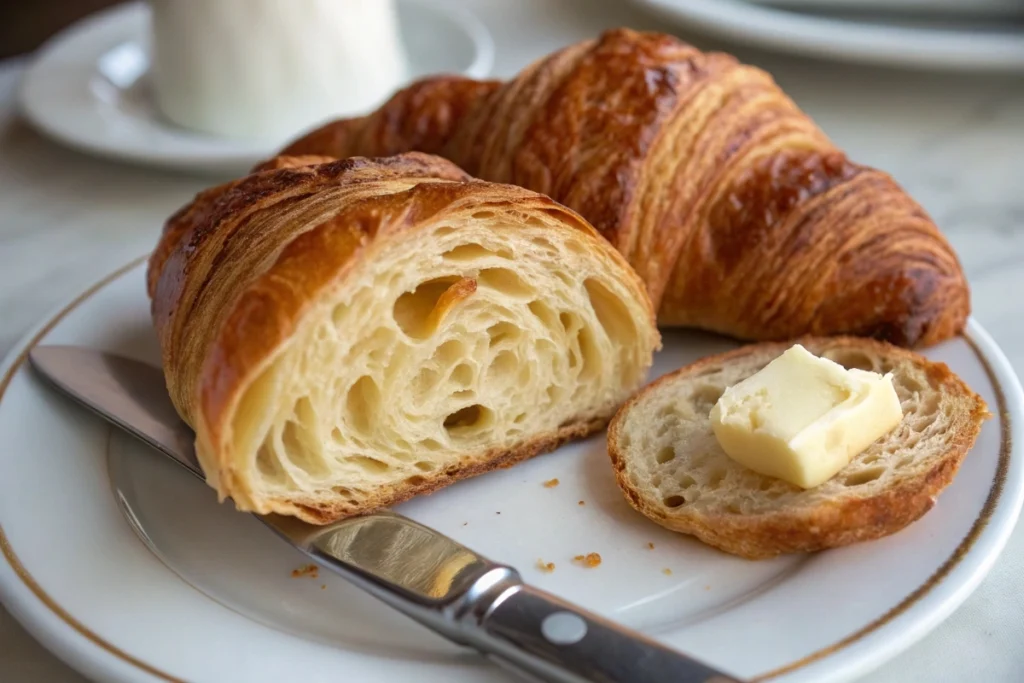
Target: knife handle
548, 639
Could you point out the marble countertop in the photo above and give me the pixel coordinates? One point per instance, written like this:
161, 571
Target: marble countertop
956, 142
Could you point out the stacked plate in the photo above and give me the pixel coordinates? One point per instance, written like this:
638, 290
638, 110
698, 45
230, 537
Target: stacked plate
89, 87
949, 34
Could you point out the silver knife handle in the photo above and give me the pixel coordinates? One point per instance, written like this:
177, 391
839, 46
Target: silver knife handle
548, 639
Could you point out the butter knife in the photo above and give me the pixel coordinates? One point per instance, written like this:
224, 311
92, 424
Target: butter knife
423, 574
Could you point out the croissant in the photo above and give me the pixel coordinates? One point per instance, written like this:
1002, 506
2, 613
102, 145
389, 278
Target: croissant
343, 336
738, 213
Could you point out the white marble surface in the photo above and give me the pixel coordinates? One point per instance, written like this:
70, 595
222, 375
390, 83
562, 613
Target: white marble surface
955, 142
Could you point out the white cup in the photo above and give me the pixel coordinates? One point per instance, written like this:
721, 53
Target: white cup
269, 69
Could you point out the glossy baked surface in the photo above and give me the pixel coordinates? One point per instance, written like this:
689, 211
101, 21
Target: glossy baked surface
736, 210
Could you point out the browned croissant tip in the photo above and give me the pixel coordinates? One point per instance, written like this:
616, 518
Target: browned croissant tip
423, 117
288, 161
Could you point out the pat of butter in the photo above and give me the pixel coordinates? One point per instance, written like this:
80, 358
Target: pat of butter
803, 418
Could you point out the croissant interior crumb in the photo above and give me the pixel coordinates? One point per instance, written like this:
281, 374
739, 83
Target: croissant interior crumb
441, 350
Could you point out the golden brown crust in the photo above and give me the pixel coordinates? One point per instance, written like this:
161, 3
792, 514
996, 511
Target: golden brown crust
735, 209
841, 521
295, 161
421, 117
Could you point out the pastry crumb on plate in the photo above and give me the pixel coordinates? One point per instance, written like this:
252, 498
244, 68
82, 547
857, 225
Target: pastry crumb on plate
590, 560
307, 570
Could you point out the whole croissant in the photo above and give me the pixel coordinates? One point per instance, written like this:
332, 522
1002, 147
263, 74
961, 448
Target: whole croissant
736, 210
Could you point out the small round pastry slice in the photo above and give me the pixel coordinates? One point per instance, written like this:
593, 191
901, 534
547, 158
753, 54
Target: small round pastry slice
672, 469
345, 335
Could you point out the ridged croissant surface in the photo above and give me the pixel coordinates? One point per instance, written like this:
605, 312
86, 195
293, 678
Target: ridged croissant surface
345, 335
735, 209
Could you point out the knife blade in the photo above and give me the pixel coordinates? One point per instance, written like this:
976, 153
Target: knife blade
418, 571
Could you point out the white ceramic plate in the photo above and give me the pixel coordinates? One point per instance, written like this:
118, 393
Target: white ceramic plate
954, 42
88, 87
963, 8
207, 594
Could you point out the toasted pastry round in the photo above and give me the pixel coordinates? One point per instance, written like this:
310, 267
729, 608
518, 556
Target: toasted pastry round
671, 468
345, 335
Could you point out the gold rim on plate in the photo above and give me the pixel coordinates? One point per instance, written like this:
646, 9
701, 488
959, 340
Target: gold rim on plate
991, 501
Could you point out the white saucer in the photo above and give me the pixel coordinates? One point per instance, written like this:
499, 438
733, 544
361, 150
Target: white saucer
953, 43
128, 569
88, 87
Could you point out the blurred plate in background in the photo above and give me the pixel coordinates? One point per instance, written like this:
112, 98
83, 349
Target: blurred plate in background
947, 34
88, 87
975, 8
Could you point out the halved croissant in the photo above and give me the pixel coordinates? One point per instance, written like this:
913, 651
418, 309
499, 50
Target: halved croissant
345, 335
736, 210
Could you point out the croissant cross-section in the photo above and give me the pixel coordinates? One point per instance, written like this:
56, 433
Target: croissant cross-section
381, 338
